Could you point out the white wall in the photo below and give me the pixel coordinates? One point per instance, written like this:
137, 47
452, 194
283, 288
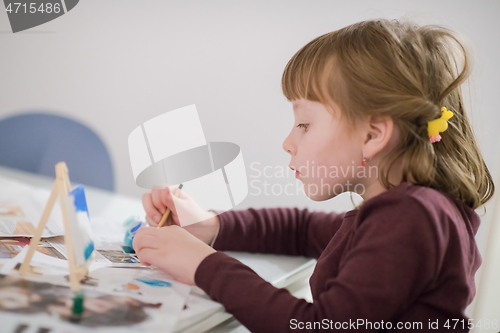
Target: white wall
112, 64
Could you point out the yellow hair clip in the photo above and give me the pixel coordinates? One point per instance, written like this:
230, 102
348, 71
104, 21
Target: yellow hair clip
434, 127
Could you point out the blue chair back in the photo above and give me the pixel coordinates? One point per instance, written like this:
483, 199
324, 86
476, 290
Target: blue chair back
35, 142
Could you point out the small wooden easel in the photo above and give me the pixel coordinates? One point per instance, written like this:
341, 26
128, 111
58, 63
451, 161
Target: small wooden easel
60, 189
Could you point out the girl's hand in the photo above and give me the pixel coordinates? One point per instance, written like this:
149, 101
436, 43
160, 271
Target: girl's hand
173, 250
156, 202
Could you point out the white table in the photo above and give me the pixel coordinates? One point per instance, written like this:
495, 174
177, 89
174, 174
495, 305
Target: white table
282, 271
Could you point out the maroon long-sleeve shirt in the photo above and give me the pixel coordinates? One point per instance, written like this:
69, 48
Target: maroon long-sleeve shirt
407, 255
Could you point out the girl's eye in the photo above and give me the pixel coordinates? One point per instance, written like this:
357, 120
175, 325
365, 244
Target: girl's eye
303, 125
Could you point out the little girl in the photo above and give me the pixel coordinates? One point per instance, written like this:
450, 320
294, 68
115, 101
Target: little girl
382, 97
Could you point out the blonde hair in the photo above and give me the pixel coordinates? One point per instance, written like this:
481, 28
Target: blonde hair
407, 72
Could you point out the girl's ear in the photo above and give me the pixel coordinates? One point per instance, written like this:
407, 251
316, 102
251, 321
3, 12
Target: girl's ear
378, 134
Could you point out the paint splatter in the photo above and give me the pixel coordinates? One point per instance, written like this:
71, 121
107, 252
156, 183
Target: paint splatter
131, 286
154, 282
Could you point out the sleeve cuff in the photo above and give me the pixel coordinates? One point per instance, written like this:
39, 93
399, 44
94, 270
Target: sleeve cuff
217, 233
216, 242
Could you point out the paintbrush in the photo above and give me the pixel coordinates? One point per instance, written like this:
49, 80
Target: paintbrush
167, 212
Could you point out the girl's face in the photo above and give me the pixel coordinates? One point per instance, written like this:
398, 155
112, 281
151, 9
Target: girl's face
325, 157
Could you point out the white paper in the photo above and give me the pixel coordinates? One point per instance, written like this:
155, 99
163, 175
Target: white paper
197, 308
44, 305
20, 216
42, 264
22, 203
146, 285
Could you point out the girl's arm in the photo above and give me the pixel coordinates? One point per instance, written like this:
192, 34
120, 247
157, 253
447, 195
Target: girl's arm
290, 231
389, 261
281, 230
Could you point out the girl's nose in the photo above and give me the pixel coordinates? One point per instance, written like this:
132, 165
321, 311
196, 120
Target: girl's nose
288, 146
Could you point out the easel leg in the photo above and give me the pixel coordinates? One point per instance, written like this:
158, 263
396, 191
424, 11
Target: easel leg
39, 231
61, 189
62, 181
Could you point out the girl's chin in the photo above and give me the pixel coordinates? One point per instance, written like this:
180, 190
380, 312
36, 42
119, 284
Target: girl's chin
316, 192
319, 197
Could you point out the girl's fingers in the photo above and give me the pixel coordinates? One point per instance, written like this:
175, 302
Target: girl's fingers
147, 256
144, 240
150, 221
166, 198
151, 212
157, 200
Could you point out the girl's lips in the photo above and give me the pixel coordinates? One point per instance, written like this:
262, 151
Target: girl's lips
297, 173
